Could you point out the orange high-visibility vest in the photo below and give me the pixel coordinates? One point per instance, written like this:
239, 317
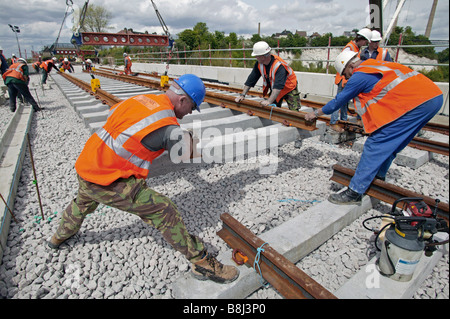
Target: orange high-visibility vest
65, 65
115, 151
291, 80
44, 65
352, 45
128, 62
15, 71
381, 56
400, 90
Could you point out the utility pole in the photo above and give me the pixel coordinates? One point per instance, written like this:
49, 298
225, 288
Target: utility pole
16, 30
431, 19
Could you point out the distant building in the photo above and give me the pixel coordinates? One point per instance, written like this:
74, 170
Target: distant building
301, 33
315, 35
283, 34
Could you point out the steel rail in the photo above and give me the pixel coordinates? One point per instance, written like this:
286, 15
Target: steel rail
105, 97
289, 280
387, 192
282, 115
285, 116
416, 142
430, 126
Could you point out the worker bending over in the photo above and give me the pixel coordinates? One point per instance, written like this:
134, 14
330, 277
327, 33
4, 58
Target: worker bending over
16, 79
394, 102
278, 77
114, 164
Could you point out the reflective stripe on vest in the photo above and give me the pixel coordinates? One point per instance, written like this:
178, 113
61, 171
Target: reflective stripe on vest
117, 144
291, 79
15, 71
399, 91
361, 109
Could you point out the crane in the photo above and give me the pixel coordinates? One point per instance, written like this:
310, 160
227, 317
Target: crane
164, 78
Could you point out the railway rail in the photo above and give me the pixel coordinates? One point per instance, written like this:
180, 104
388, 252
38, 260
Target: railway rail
290, 282
386, 192
253, 108
432, 127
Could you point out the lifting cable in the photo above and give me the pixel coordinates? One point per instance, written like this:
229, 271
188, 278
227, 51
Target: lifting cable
69, 6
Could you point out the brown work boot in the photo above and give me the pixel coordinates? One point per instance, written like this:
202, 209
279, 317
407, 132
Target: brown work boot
337, 128
54, 243
210, 268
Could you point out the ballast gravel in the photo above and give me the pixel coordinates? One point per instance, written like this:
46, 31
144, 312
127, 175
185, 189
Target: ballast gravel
115, 255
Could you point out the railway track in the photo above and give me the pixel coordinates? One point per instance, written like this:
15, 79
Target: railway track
123, 91
216, 95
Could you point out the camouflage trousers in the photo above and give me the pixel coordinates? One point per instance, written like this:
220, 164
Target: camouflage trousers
134, 196
292, 99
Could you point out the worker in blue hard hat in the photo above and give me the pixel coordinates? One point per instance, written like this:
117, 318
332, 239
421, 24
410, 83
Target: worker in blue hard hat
116, 160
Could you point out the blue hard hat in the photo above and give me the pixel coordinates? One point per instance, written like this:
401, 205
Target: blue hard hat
193, 86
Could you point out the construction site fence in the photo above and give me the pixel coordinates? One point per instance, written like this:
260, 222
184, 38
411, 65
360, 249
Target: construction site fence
241, 57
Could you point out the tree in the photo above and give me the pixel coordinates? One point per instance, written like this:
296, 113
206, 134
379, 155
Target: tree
97, 19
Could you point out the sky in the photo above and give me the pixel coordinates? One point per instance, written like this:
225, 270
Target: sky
40, 20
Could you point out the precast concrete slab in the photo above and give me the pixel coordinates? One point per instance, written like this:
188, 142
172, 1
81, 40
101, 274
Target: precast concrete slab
13, 146
408, 157
369, 283
293, 239
93, 108
95, 117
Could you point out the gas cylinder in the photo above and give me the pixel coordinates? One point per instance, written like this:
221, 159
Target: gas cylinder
400, 254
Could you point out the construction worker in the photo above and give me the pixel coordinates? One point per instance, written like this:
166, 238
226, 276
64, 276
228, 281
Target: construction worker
16, 79
88, 65
116, 160
36, 66
46, 67
363, 37
67, 66
128, 64
3, 63
373, 50
277, 75
394, 102
14, 59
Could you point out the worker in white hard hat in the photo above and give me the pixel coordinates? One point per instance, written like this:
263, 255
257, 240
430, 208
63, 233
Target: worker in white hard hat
67, 66
374, 51
394, 102
16, 79
363, 37
14, 58
278, 77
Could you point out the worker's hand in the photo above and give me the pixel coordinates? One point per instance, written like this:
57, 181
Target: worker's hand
310, 116
239, 99
265, 103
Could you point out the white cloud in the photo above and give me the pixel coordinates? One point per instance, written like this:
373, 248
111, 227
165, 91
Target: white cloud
40, 20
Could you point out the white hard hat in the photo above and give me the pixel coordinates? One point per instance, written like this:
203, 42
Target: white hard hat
13, 54
22, 60
88, 61
376, 36
342, 60
366, 33
125, 54
65, 60
261, 48
54, 58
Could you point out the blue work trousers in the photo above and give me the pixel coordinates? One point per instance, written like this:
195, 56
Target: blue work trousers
382, 146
